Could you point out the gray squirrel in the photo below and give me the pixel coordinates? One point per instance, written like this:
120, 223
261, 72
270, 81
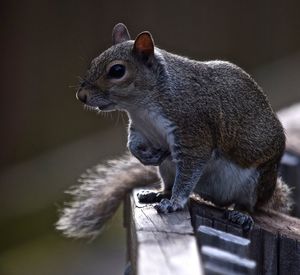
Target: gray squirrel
202, 127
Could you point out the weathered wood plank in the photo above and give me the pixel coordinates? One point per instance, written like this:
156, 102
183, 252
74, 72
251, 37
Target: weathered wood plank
170, 241
146, 218
289, 258
236, 230
270, 253
290, 118
271, 221
290, 171
229, 242
161, 244
216, 259
202, 221
256, 249
166, 253
270, 250
219, 225
278, 223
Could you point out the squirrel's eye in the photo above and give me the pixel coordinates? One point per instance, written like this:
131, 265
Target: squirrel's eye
117, 71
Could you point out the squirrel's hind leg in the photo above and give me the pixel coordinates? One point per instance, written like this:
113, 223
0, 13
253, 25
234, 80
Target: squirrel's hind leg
224, 183
241, 218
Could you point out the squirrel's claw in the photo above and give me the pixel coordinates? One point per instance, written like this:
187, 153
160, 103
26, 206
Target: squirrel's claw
168, 206
240, 218
147, 196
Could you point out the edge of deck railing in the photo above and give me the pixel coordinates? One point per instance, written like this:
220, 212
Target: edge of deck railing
160, 244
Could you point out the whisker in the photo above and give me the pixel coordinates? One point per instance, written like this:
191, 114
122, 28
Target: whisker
73, 86
124, 119
85, 81
89, 108
118, 118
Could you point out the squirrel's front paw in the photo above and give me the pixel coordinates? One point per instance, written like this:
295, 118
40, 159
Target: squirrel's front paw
153, 157
148, 155
168, 206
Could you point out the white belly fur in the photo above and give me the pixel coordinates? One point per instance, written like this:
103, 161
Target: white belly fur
154, 127
224, 183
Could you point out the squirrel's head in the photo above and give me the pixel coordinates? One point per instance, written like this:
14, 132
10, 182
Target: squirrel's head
123, 75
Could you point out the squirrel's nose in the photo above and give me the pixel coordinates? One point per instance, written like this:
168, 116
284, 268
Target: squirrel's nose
82, 95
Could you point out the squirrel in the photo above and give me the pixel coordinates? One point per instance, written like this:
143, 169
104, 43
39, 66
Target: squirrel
202, 127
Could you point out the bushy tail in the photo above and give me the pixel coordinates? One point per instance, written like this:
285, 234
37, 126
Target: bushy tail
100, 192
281, 200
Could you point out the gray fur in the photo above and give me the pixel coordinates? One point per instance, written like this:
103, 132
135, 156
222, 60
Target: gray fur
191, 108
167, 170
208, 125
222, 182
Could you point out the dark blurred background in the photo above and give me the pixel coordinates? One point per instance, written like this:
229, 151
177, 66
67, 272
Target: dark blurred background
48, 139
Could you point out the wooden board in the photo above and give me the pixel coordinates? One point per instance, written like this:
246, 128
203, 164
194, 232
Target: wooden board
290, 118
161, 244
217, 238
222, 262
275, 237
290, 163
290, 172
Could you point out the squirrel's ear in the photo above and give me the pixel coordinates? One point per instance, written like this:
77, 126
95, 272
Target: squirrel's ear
144, 45
120, 34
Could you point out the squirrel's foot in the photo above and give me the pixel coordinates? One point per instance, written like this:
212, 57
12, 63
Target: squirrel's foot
147, 196
240, 218
168, 206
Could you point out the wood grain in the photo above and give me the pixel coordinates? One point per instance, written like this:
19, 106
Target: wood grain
275, 238
161, 244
